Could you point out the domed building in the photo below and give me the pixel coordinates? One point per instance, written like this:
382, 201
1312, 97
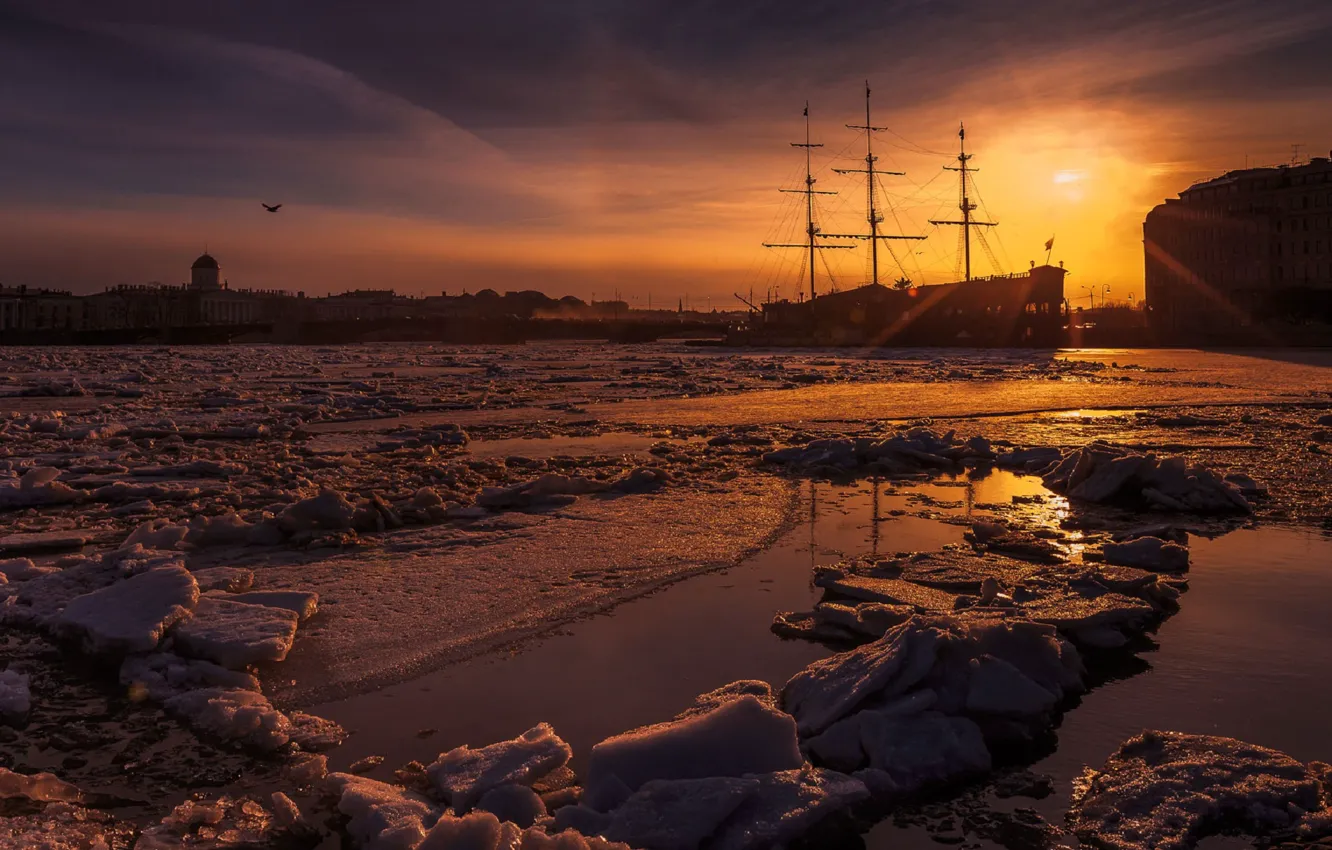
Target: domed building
205, 274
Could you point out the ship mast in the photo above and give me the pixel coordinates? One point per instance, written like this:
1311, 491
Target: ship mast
873, 216
811, 229
966, 205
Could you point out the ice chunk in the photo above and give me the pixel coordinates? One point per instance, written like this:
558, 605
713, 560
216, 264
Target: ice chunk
131, 615
926, 749
549, 490
44, 541
22, 569
328, 511
997, 687
286, 814
741, 736
1148, 553
866, 619
579, 818
463, 774
228, 579
916, 449
678, 814
15, 698
41, 600
315, 734
839, 746
234, 634
477, 831
516, 803
891, 591
63, 826
305, 768
535, 839
158, 534
303, 603
1075, 608
829, 690
1107, 479
162, 675
37, 487
704, 703
233, 714
39, 787
1165, 790
1036, 649
1247, 484
1105, 473
785, 806
641, 480
227, 529
382, 816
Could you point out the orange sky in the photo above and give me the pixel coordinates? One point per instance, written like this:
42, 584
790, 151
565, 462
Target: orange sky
1077, 141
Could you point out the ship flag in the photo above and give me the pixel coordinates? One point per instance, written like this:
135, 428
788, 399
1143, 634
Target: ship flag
1049, 244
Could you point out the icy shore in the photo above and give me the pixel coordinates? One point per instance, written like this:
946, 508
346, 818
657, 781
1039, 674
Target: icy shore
318, 520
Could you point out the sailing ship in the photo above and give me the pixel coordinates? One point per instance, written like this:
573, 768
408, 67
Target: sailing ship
1023, 309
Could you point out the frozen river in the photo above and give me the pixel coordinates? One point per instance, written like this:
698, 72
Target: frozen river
592, 536
1245, 657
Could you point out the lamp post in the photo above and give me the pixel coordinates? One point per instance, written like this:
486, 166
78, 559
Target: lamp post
1091, 298
1104, 289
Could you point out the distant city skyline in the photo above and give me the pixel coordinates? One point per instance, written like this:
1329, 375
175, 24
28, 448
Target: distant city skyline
596, 146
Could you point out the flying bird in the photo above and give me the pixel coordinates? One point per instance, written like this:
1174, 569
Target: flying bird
273, 208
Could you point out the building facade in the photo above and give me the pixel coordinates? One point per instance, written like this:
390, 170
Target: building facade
1242, 249
29, 309
206, 300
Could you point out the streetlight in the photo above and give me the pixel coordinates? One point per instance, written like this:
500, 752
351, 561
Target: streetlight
1091, 298
1104, 290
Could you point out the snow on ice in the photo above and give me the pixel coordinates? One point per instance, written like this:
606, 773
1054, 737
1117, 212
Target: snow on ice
1089, 603
1166, 790
235, 634
131, 615
924, 702
461, 776
1105, 473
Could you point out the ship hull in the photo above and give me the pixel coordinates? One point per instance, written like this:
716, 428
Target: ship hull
1002, 311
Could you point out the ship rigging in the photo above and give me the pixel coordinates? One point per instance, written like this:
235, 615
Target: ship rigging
816, 239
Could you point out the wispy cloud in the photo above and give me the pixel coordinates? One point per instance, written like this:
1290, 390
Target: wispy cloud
640, 139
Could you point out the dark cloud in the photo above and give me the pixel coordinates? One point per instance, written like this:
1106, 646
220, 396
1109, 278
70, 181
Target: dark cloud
543, 112
534, 62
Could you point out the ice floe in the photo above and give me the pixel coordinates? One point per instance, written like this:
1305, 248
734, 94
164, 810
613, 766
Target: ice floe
740, 736
235, 634
38, 487
461, 776
1105, 473
131, 615
926, 701
1092, 604
381, 816
1167, 790
1148, 553
909, 452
